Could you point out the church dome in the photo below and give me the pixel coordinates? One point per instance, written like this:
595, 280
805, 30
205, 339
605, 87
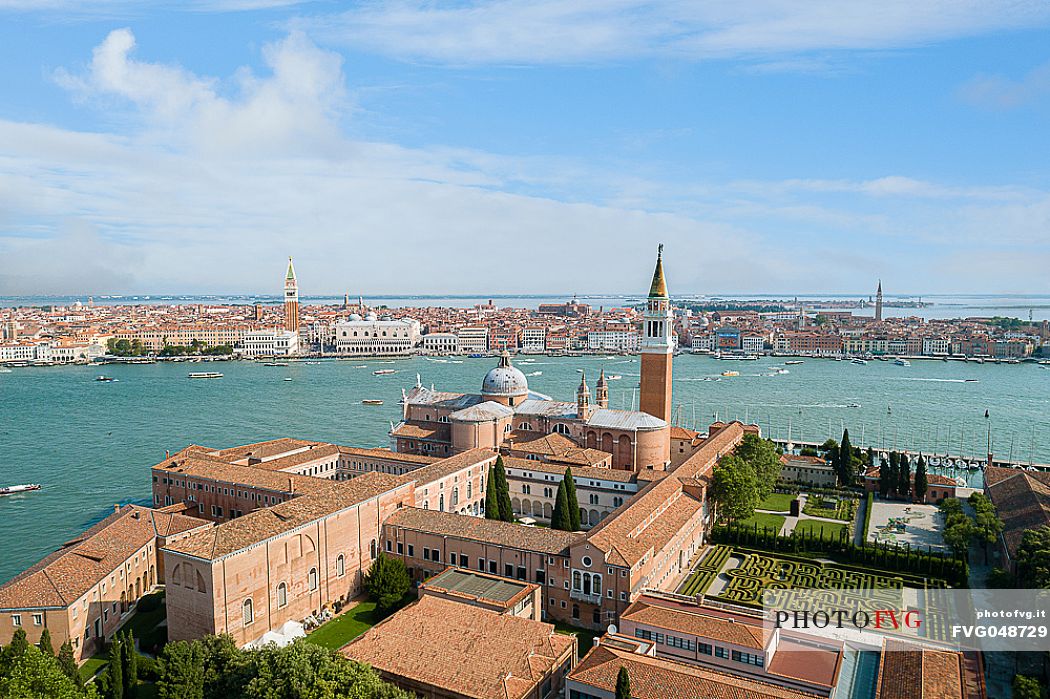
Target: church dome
504, 379
355, 317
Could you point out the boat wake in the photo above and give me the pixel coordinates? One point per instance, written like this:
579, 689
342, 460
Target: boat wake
918, 378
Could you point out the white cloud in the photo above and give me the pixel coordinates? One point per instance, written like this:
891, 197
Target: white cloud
555, 31
998, 92
220, 178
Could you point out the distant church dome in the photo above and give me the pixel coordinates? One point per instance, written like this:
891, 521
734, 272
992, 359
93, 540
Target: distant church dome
504, 380
355, 317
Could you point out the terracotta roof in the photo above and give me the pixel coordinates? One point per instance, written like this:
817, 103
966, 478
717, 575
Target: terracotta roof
262, 524
578, 472
1022, 499
659, 678
911, 672
698, 624
556, 447
463, 650
249, 476
446, 467
389, 455
264, 450
435, 432
64, 576
518, 536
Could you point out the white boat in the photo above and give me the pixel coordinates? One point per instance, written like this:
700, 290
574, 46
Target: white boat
287, 378
12, 489
105, 379
794, 361
276, 364
380, 372
855, 360
205, 375
372, 401
902, 362
615, 377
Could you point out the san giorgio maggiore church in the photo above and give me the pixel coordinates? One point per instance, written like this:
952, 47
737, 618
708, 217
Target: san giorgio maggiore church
506, 413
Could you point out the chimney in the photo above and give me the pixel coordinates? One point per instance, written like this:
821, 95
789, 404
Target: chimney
116, 507
291, 485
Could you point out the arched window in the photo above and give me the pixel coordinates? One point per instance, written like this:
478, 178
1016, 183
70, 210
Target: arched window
576, 580
373, 548
441, 502
470, 490
455, 496
560, 428
596, 584
282, 595
249, 613
340, 565
311, 579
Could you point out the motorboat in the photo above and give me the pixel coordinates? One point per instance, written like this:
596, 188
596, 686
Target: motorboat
902, 362
205, 375
371, 401
105, 379
730, 373
858, 360
12, 489
275, 364
382, 372
794, 361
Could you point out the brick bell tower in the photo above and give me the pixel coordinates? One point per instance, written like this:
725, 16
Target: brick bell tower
657, 348
291, 300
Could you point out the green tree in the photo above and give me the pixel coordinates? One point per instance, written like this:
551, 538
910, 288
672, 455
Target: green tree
570, 496
735, 488
922, 483
129, 665
492, 496
36, 674
904, 476
561, 518
181, 671
885, 478
387, 582
893, 477
67, 663
44, 644
623, 684
18, 646
506, 509
957, 535
1033, 559
114, 671
844, 461
1026, 687
762, 457
830, 448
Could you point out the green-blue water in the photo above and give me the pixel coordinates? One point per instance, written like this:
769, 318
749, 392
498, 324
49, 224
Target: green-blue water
91, 444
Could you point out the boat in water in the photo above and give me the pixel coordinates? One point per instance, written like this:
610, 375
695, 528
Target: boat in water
371, 401
381, 372
794, 361
205, 375
615, 377
105, 379
902, 362
12, 489
857, 360
275, 364
730, 373
4, 370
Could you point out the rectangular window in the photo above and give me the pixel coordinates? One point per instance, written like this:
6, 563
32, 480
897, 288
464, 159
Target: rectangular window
522, 575
426, 554
400, 548
492, 567
540, 577
411, 551
705, 648
464, 562
721, 652
508, 570
452, 559
16, 619
389, 545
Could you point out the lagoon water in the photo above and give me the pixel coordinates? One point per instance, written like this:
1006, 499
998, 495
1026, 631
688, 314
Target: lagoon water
91, 444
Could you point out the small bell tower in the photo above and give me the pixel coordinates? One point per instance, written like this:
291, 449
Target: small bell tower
583, 399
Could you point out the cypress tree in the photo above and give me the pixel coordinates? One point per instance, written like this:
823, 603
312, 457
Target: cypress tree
506, 509
561, 518
894, 478
844, 463
68, 664
570, 495
45, 645
17, 647
921, 481
129, 664
114, 671
492, 496
623, 684
884, 478
904, 477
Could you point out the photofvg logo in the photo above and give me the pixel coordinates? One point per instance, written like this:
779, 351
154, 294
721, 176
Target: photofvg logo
900, 618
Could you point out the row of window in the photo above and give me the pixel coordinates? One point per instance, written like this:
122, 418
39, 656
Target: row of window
703, 648
16, 620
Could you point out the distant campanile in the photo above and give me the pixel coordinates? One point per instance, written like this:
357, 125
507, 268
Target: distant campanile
291, 300
657, 348
878, 303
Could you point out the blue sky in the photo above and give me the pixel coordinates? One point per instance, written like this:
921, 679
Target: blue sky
524, 147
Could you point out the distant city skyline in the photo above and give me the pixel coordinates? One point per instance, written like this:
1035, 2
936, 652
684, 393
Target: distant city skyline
521, 147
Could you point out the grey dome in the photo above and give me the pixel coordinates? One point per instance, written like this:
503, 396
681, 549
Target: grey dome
504, 380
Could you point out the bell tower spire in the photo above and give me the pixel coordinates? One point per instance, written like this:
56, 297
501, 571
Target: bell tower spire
291, 300
601, 391
657, 347
583, 399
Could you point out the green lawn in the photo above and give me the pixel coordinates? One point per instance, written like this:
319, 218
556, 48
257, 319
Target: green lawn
143, 622
92, 666
830, 530
584, 637
777, 502
346, 627
763, 520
